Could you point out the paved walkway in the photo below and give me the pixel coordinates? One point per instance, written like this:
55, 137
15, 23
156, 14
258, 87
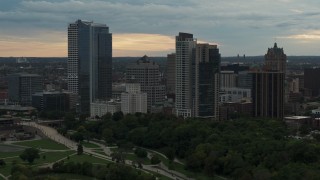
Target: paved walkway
54, 135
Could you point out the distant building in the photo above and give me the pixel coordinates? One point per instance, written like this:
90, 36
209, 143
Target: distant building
21, 87
268, 94
147, 74
207, 81
89, 62
311, 81
234, 94
232, 110
51, 101
275, 59
101, 108
228, 79
133, 100
117, 89
171, 73
244, 80
185, 45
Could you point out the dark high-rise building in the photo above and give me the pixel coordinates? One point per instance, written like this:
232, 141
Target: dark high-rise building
171, 73
268, 94
51, 101
22, 86
275, 59
89, 62
147, 74
207, 81
312, 81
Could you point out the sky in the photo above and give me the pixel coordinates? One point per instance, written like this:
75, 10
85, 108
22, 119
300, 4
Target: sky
38, 28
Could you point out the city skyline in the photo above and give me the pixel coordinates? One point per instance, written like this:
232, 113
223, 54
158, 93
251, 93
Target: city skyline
37, 28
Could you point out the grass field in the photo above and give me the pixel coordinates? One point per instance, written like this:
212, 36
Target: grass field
68, 176
4, 155
43, 143
133, 157
50, 157
87, 158
89, 145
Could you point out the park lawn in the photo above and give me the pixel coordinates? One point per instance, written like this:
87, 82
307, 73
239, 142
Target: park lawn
133, 157
67, 176
87, 158
43, 143
4, 155
6, 170
89, 145
50, 158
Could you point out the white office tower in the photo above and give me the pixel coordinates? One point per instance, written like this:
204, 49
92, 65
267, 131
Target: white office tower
133, 100
185, 44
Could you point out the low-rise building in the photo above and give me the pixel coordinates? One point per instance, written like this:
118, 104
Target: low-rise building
100, 108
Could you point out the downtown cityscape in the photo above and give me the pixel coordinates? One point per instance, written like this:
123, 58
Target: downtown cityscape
104, 105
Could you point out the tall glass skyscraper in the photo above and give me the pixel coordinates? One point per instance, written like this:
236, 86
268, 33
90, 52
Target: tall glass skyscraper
89, 62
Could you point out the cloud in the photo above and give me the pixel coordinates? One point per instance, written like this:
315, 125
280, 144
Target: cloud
306, 36
232, 23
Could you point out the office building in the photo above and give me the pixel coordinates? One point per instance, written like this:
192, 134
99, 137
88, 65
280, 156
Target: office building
312, 81
22, 86
185, 46
171, 73
268, 94
51, 101
133, 100
147, 74
207, 81
89, 62
234, 94
100, 108
275, 59
228, 79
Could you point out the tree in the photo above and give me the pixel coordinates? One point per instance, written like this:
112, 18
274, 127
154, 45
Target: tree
155, 159
2, 163
107, 135
141, 153
117, 116
80, 149
170, 153
30, 155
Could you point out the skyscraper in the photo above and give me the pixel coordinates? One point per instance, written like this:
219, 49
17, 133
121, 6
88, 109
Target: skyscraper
22, 86
89, 62
185, 46
171, 73
207, 81
275, 59
147, 74
268, 85
268, 94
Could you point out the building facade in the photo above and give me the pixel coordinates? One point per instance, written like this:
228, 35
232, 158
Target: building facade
311, 83
22, 86
268, 94
234, 94
133, 100
228, 79
275, 59
185, 46
89, 62
100, 108
147, 74
171, 73
51, 101
207, 81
